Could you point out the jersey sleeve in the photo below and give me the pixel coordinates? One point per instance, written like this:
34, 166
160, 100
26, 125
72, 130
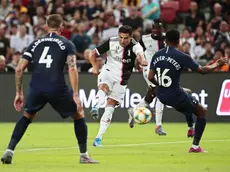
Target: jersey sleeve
137, 48
28, 53
190, 63
71, 49
104, 47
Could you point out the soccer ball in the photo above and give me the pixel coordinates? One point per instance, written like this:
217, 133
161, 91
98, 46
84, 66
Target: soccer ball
142, 115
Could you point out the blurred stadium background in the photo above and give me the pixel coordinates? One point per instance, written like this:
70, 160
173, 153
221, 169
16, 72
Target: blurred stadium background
204, 26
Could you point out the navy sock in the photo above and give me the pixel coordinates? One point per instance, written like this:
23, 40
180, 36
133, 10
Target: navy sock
199, 129
18, 132
190, 120
81, 132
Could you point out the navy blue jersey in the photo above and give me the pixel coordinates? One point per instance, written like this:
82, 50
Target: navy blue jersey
168, 64
49, 55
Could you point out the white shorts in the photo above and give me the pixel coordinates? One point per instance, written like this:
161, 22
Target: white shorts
117, 91
146, 74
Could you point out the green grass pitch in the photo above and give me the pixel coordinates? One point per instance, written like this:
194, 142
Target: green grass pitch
52, 147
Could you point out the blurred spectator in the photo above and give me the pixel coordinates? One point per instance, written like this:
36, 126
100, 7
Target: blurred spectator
39, 29
208, 56
133, 20
24, 20
81, 40
5, 8
12, 31
199, 49
219, 54
86, 65
4, 44
151, 11
36, 7
221, 35
21, 40
97, 28
217, 17
227, 55
93, 7
112, 28
119, 12
3, 64
195, 18
95, 42
186, 37
186, 48
13, 64
40, 12
99, 63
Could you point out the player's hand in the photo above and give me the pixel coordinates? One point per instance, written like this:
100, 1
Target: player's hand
18, 102
222, 61
95, 71
78, 103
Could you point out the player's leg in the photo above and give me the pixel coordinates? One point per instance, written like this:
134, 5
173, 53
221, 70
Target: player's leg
104, 86
159, 108
105, 121
201, 114
64, 104
189, 118
34, 103
145, 101
115, 98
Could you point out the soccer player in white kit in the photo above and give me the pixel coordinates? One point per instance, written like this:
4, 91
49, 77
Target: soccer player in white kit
151, 43
122, 54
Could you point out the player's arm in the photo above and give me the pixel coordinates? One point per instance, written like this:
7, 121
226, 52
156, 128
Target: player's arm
152, 77
73, 73
22, 65
140, 57
191, 64
152, 73
96, 52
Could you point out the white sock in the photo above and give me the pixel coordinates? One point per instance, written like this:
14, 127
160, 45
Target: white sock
100, 98
159, 112
84, 154
105, 121
142, 103
195, 146
9, 150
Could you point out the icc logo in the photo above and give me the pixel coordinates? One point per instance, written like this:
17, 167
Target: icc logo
223, 107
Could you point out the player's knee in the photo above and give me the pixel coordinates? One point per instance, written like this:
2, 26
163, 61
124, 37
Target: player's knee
29, 116
104, 87
78, 116
112, 102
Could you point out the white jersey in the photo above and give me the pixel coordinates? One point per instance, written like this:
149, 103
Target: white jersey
119, 61
150, 46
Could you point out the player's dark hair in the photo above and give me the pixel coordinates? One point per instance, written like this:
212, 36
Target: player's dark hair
126, 29
173, 36
54, 21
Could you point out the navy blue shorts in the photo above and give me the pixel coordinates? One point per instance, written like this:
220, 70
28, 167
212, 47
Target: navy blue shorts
61, 101
182, 102
187, 106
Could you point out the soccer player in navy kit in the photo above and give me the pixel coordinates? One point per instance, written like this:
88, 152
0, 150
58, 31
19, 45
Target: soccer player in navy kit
167, 64
49, 55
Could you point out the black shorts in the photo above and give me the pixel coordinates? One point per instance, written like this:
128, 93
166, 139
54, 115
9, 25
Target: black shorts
61, 101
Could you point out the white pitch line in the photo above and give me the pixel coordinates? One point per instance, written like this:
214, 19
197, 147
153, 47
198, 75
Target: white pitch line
118, 145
